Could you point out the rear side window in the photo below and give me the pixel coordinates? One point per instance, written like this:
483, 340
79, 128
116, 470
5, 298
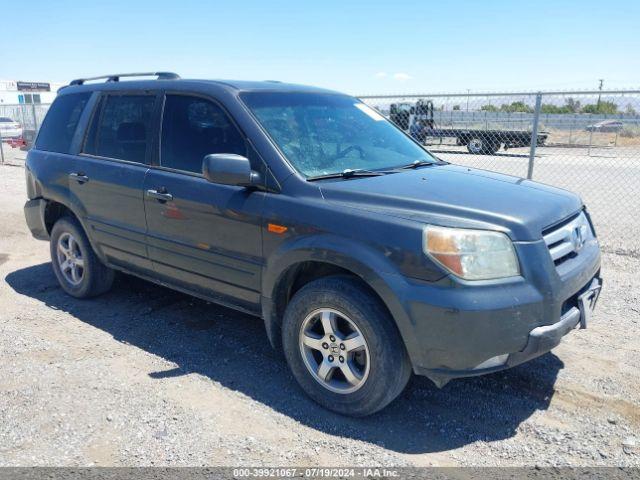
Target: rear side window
61, 121
193, 127
121, 127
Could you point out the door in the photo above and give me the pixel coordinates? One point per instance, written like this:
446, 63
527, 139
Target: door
109, 177
201, 236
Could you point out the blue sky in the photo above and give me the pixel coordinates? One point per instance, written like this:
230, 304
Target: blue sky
357, 47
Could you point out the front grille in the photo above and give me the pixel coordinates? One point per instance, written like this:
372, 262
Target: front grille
566, 240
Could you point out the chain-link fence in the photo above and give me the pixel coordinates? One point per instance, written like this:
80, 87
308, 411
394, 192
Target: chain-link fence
19, 124
587, 142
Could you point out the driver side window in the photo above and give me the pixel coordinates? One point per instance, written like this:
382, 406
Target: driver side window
193, 127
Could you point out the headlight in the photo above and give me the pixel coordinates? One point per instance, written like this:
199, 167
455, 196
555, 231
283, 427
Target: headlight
472, 254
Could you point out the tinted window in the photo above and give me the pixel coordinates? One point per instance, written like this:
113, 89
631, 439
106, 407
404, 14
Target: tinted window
60, 123
192, 128
121, 127
92, 135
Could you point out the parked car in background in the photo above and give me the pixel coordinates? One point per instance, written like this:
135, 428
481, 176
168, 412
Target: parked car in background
368, 258
606, 126
9, 128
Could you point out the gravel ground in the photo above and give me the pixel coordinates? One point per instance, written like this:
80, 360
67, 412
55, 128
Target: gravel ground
147, 376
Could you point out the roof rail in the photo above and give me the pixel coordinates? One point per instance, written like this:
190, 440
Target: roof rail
117, 76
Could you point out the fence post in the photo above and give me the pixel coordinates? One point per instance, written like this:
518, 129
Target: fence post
35, 119
1, 151
534, 135
590, 140
571, 129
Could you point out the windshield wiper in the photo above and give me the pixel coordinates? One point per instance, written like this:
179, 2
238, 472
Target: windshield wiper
418, 163
348, 173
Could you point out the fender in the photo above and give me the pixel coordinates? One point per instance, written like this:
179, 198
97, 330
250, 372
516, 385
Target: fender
66, 198
361, 259
52, 184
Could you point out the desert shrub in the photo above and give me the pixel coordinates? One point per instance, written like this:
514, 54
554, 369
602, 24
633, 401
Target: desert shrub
630, 131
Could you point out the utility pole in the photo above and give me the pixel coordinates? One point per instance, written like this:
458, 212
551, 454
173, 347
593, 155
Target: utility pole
599, 95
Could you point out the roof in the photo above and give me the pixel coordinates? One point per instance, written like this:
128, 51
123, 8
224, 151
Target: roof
229, 85
270, 85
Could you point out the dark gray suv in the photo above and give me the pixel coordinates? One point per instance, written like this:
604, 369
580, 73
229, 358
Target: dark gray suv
367, 257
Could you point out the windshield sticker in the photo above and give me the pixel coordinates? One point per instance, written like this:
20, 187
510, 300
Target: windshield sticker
369, 111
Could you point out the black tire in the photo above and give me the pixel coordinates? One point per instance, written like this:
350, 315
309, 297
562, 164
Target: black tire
389, 365
475, 145
482, 146
96, 278
492, 146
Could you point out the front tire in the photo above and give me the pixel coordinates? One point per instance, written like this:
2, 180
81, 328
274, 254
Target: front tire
75, 264
343, 347
482, 146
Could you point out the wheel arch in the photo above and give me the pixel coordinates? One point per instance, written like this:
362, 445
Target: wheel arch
56, 209
297, 265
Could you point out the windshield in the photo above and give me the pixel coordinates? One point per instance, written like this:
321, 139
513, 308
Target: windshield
322, 134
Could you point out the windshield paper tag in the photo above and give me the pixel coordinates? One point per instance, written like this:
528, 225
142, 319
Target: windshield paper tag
369, 111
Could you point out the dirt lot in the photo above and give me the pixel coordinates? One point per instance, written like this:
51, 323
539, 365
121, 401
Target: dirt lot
148, 376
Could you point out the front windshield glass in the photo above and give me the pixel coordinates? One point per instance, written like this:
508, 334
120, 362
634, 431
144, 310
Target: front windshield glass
322, 134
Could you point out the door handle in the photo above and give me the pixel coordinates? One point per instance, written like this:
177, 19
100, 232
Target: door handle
160, 196
79, 177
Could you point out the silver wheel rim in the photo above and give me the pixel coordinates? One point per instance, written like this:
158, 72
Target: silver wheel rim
334, 351
475, 145
70, 259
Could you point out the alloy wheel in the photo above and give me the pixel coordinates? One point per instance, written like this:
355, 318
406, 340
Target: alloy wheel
70, 259
334, 351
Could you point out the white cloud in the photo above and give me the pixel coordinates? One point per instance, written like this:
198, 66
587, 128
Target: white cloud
402, 77
381, 75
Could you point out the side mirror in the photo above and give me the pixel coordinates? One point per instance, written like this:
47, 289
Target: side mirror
230, 169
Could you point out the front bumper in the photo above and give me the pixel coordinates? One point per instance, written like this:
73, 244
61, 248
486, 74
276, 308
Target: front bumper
543, 339
457, 329
540, 340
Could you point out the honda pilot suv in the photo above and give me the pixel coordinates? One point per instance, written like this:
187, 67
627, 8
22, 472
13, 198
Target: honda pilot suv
367, 257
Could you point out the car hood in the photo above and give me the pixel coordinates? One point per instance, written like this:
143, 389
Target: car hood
458, 196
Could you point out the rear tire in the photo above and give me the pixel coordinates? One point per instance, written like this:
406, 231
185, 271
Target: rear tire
364, 367
75, 264
492, 147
